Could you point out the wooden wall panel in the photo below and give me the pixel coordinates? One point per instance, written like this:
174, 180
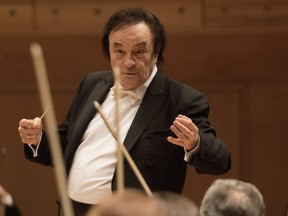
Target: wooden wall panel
229, 56
268, 150
246, 14
60, 52
16, 18
63, 17
32, 185
75, 17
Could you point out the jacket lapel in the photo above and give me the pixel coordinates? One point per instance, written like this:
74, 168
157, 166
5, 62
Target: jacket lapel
150, 106
98, 94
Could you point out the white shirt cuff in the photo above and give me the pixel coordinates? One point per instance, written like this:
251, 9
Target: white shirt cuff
35, 150
189, 154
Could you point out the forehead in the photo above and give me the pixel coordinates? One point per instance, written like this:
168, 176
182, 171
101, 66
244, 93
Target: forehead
131, 34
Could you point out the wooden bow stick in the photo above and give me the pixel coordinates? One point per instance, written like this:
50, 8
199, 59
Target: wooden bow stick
124, 151
120, 166
42, 116
46, 99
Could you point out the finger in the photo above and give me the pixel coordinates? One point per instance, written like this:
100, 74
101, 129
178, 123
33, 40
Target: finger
29, 141
176, 131
184, 120
181, 130
27, 131
173, 140
184, 117
188, 123
25, 137
30, 138
30, 123
37, 123
26, 123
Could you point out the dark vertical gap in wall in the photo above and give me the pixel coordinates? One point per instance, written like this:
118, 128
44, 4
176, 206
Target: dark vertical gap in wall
202, 13
244, 140
34, 16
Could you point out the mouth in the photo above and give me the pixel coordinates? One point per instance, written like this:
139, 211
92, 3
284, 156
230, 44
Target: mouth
129, 73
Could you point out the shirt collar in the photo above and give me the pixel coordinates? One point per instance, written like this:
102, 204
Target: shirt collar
141, 90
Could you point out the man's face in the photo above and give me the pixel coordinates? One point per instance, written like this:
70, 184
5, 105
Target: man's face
131, 50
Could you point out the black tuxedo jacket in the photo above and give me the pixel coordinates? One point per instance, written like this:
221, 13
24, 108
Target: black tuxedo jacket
160, 162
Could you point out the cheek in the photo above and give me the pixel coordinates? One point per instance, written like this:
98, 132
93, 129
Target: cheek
115, 62
146, 69
145, 74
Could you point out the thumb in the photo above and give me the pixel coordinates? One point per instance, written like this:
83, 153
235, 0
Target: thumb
37, 123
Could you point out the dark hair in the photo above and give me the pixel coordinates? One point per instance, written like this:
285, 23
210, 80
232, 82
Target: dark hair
131, 16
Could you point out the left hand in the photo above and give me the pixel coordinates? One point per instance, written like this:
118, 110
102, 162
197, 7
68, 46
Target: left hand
186, 133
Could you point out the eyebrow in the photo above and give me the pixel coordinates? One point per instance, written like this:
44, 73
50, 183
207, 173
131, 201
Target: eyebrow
117, 44
143, 43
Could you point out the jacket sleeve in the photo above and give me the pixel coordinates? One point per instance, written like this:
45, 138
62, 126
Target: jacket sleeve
213, 156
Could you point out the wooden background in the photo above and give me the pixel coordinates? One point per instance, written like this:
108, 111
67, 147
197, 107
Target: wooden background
234, 51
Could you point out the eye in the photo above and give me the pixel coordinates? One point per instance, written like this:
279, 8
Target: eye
139, 53
119, 52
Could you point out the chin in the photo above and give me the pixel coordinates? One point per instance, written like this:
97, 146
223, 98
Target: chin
129, 85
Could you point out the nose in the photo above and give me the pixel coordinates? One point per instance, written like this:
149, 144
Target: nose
129, 62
